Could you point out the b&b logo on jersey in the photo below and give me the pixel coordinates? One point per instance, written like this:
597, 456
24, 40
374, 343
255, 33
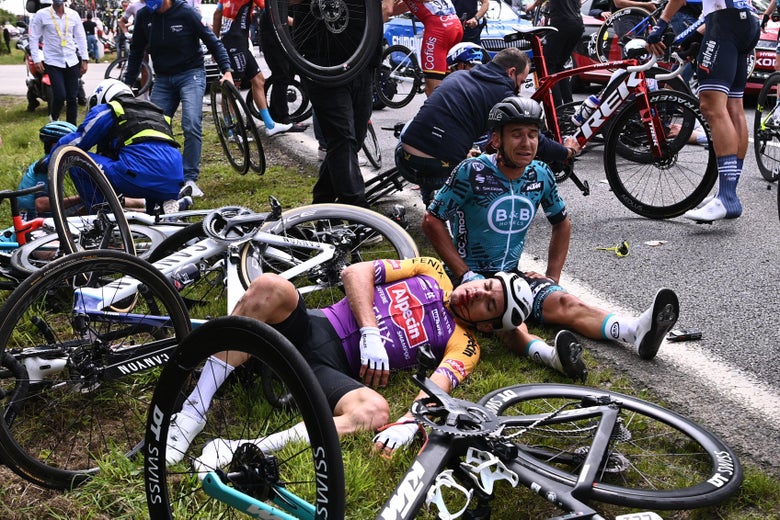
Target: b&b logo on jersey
407, 312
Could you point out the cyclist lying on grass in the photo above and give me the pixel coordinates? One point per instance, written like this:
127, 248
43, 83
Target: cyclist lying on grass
491, 201
392, 307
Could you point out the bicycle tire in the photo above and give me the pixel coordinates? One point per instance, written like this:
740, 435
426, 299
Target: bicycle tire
93, 400
116, 70
706, 472
32, 256
766, 129
231, 127
238, 412
354, 231
255, 153
665, 187
611, 36
342, 52
72, 172
371, 148
399, 75
298, 104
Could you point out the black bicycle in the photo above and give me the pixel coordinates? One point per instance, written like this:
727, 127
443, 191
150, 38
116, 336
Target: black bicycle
570, 444
236, 128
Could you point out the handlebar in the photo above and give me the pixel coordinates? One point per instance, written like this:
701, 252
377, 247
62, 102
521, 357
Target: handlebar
673, 73
12, 194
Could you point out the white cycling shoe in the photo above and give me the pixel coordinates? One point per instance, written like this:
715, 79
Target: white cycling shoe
278, 129
215, 455
182, 430
709, 212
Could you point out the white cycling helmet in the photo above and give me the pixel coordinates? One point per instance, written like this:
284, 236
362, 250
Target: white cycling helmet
519, 301
107, 90
468, 53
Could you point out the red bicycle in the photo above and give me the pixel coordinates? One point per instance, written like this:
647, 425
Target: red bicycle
652, 160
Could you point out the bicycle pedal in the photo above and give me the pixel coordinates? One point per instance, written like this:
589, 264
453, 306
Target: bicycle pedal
398, 215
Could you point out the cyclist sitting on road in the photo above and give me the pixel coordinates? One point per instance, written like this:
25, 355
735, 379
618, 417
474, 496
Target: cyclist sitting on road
442, 30
392, 308
232, 20
135, 146
455, 116
490, 202
37, 204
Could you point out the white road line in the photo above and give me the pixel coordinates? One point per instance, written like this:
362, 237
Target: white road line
690, 357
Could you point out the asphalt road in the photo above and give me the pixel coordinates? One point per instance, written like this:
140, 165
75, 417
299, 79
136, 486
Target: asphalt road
722, 273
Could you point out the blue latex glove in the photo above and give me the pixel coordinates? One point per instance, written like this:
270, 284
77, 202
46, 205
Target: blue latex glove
658, 31
470, 276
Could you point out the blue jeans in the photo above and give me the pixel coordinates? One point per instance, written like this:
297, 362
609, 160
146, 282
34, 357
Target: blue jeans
92, 46
188, 89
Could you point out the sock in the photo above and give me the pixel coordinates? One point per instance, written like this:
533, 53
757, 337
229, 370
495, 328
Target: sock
266, 116
543, 353
729, 171
215, 371
277, 441
619, 328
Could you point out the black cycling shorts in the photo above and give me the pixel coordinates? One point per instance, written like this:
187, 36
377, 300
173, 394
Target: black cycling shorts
314, 336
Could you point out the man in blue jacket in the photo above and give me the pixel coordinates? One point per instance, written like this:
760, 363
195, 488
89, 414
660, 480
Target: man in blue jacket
135, 146
455, 116
172, 31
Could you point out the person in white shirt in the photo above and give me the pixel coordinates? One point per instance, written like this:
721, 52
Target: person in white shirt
60, 30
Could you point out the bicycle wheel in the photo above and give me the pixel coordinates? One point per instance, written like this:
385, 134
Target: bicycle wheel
656, 458
358, 234
371, 148
116, 70
332, 40
313, 473
89, 349
541, 14
255, 153
666, 186
97, 220
231, 127
766, 129
298, 105
617, 30
399, 76
42, 251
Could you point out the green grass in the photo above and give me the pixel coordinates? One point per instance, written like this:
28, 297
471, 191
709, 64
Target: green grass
117, 492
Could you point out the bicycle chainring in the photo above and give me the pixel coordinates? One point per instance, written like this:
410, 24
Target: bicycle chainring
231, 225
459, 419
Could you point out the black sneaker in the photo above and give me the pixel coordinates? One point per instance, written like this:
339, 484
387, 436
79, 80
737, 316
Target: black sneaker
656, 322
569, 352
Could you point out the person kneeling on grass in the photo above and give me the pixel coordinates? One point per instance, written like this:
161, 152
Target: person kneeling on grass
353, 346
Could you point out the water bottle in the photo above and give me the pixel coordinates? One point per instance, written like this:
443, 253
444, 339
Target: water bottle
587, 107
185, 275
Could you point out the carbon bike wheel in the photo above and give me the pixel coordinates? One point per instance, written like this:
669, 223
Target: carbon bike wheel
358, 234
42, 251
399, 75
86, 211
371, 148
116, 70
231, 127
666, 186
90, 369
540, 16
255, 153
313, 472
766, 129
298, 105
621, 27
330, 41
656, 458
